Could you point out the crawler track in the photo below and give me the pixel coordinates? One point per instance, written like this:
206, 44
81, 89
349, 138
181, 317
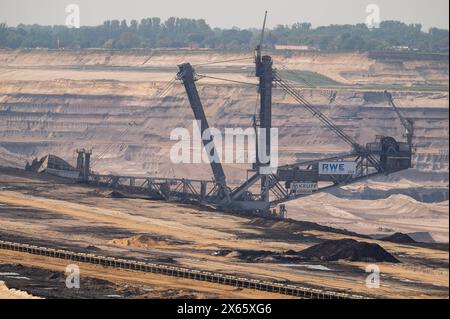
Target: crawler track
181, 272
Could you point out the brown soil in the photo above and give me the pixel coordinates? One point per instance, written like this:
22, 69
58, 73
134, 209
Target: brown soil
53, 102
46, 275
51, 213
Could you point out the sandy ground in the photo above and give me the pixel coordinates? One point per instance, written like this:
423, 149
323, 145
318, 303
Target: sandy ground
83, 218
6, 293
145, 285
55, 102
398, 213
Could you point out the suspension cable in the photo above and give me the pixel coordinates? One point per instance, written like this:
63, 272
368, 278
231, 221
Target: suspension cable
226, 80
315, 112
310, 85
159, 94
223, 61
162, 93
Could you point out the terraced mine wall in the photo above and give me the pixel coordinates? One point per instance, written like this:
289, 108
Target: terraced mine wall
54, 102
408, 56
38, 124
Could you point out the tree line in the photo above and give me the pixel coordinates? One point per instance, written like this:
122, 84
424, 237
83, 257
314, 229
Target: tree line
182, 32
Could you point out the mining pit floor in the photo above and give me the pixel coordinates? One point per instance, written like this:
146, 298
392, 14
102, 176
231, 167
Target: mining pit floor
43, 210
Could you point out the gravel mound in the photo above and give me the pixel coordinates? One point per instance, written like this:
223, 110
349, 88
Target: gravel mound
116, 194
399, 238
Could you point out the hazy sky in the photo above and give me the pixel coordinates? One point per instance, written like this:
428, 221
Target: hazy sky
228, 13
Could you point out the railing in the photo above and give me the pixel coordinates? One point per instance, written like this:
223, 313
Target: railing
181, 272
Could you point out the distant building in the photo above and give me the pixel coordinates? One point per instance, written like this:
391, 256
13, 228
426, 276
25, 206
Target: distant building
401, 48
296, 47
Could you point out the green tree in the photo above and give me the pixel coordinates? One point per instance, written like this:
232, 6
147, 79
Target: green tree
128, 40
3, 34
181, 32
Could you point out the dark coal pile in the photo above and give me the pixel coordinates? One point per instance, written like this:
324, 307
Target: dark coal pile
116, 194
261, 256
331, 250
92, 248
290, 226
220, 253
399, 238
348, 249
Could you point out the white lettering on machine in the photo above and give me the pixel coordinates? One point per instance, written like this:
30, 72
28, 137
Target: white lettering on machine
337, 168
304, 187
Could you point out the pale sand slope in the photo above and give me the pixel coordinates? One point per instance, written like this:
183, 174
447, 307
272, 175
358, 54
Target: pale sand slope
397, 213
6, 293
350, 68
56, 102
79, 217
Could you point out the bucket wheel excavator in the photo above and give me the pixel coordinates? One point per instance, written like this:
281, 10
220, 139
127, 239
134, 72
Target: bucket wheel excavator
262, 192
